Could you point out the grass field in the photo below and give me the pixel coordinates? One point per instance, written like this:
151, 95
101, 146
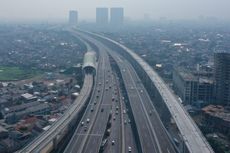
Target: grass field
16, 73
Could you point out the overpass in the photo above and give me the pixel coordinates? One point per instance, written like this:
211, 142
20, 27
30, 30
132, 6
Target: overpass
192, 137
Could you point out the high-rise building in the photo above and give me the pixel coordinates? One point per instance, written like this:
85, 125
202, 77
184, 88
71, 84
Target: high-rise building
73, 17
116, 16
222, 77
102, 16
191, 88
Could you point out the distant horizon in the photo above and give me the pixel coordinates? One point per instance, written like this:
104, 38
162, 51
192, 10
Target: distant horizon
126, 19
27, 10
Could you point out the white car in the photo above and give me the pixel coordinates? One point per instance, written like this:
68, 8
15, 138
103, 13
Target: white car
87, 120
130, 149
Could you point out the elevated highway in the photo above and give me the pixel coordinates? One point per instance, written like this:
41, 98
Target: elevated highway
192, 137
151, 132
89, 135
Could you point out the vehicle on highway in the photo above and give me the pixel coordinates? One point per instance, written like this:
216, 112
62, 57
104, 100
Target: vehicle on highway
87, 120
108, 132
116, 112
91, 109
114, 118
117, 108
102, 110
129, 149
85, 128
113, 142
82, 123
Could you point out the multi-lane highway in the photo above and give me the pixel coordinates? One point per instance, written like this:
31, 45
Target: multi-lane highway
191, 135
89, 134
151, 131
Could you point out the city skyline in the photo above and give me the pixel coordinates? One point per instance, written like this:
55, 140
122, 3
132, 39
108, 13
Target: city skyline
178, 9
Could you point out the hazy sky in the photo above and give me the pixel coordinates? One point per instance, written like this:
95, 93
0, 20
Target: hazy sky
58, 9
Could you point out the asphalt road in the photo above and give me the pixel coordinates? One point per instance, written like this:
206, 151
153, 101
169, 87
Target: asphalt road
151, 132
88, 137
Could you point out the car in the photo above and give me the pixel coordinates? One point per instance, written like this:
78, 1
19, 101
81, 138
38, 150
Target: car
95, 103
125, 121
117, 108
102, 110
114, 118
87, 120
116, 112
91, 109
85, 128
129, 149
141, 91
82, 123
113, 142
129, 121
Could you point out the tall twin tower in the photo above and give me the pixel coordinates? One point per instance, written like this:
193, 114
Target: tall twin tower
116, 16
103, 17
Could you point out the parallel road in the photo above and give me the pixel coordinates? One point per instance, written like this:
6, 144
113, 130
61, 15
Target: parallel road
141, 105
88, 137
192, 136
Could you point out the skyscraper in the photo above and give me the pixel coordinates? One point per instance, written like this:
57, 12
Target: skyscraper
73, 17
102, 16
116, 16
222, 77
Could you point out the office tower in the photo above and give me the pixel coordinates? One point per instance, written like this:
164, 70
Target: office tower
222, 77
116, 16
73, 17
102, 16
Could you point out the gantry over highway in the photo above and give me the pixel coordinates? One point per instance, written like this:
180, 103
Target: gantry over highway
193, 139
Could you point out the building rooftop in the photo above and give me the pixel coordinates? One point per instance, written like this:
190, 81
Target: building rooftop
217, 111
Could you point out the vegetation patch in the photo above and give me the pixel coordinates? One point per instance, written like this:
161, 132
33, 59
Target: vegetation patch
8, 73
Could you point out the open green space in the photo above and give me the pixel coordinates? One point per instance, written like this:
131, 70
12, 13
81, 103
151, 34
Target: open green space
8, 73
